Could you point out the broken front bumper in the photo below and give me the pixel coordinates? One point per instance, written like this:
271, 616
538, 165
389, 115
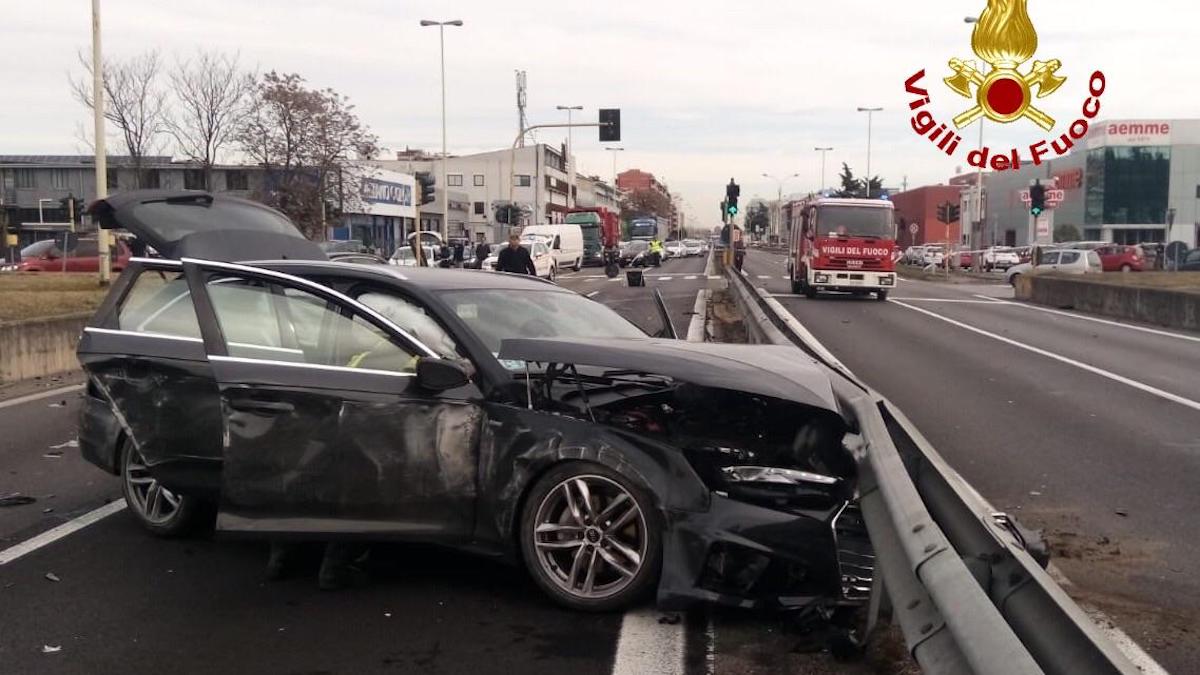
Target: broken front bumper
744, 555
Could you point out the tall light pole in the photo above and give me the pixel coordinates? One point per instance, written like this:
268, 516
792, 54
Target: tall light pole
870, 112
445, 187
823, 151
101, 160
616, 192
570, 163
977, 210
778, 199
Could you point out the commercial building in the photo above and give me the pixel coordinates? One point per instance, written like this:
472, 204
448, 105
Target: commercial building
593, 191
917, 215
533, 177
1131, 181
385, 214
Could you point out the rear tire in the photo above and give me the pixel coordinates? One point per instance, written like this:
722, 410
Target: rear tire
881, 295
809, 292
622, 563
1013, 279
158, 510
553, 273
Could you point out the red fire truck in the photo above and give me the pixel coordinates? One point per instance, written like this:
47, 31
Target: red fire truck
842, 245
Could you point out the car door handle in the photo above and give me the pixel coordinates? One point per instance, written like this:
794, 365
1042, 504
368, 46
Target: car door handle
259, 406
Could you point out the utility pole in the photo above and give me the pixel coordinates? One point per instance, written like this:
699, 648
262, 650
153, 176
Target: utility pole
822, 151
101, 153
570, 160
445, 184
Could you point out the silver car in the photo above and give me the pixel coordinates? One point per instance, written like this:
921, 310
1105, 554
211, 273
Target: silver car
1065, 261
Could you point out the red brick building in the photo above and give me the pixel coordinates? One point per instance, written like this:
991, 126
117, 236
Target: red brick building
632, 180
920, 207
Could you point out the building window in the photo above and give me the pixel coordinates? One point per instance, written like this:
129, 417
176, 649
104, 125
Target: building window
111, 179
522, 180
24, 178
58, 179
1127, 185
193, 179
150, 179
454, 180
236, 180
478, 180
479, 208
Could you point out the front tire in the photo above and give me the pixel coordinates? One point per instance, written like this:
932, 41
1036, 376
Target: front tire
552, 273
591, 538
881, 295
157, 509
1013, 279
578, 264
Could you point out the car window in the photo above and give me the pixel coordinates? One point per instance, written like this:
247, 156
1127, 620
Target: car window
414, 319
1049, 258
1193, 256
1069, 257
1093, 259
86, 248
272, 322
159, 303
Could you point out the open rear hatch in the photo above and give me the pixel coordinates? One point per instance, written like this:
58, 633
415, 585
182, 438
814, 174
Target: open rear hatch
194, 224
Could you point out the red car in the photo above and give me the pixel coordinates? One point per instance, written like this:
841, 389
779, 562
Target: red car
46, 256
1121, 258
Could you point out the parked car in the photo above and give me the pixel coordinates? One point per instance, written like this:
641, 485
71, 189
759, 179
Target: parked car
1065, 261
344, 246
404, 256
914, 255
295, 397
933, 255
1000, 258
1191, 261
963, 259
357, 258
1120, 258
543, 261
82, 255
564, 240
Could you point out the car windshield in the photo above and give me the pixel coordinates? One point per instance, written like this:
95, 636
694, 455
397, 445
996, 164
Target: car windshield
495, 315
854, 221
38, 249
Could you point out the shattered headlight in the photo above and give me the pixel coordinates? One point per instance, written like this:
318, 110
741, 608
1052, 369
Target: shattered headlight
779, 487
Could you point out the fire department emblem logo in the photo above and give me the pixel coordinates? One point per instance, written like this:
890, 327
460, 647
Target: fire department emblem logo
1005, 39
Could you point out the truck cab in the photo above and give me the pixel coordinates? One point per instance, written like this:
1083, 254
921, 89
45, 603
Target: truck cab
843, 245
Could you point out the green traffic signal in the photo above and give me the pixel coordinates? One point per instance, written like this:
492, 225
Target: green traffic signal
733, 210
1036, 210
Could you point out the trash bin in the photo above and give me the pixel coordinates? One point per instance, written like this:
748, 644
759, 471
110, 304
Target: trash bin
634, 278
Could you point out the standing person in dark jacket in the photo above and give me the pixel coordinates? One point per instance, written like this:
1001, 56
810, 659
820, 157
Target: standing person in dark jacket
515, 258
482, 251
458, 253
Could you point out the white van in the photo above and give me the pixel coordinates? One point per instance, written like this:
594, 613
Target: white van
564, 240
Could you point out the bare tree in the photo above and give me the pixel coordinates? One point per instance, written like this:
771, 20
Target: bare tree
305, 139
212, 96
134, 101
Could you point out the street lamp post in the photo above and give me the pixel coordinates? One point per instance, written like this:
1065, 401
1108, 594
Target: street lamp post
445, 187
870, 112
778, 215
101, 160
570, 161
616, 192
823, 151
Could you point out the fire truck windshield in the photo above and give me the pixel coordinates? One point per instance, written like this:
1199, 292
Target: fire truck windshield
855, 221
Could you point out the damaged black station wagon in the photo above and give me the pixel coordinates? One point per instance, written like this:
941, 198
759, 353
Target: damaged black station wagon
296, 397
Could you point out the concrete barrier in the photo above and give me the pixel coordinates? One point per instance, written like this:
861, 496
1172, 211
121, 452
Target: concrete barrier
37, 347
1163, 306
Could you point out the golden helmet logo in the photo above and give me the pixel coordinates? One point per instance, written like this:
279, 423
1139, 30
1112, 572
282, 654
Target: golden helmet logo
1004, 89
1004, 37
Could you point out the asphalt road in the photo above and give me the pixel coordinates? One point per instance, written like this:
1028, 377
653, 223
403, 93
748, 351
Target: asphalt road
109, 598
1094, 435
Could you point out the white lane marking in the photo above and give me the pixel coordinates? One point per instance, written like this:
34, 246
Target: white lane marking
40, 395
958, 300
714, 277
615, 279
50, 536
1131, 649
690, 277
764, 276
591, 294
646, 646
660, 278
1174, 398
1144, 329
696, 331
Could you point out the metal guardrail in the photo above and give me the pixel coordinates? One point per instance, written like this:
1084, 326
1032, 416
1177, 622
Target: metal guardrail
962, 580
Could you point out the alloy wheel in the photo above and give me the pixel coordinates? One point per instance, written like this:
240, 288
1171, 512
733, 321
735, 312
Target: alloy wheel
153, 502
590, 536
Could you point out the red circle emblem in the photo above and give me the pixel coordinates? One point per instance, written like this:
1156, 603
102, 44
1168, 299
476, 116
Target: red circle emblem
1005, 96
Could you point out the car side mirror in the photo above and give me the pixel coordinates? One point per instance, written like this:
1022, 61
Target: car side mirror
443, 374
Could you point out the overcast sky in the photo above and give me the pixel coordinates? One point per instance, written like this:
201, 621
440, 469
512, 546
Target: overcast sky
708, 90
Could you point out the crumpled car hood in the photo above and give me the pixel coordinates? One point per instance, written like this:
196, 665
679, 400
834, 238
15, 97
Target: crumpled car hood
781, 372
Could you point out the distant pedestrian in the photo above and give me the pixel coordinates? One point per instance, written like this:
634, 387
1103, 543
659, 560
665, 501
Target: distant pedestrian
515, 258
482, 251
458, 253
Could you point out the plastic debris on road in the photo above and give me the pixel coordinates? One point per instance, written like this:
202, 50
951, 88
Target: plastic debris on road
51, 649
16, 499
52, 577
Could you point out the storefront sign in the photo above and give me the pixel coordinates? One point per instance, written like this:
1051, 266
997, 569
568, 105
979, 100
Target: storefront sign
1130, 132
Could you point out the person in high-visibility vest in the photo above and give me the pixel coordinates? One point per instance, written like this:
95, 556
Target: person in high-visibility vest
656, 251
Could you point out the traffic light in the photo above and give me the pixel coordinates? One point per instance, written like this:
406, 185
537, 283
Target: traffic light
943, 214
610, 125
1037, 198
955, 212
732, 191
427, 181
